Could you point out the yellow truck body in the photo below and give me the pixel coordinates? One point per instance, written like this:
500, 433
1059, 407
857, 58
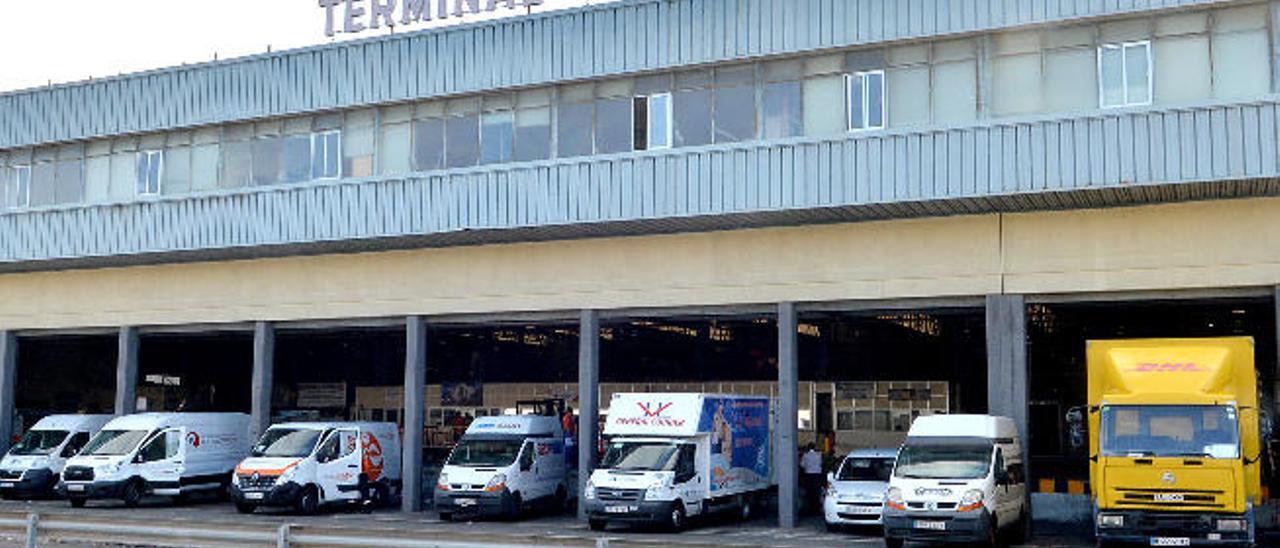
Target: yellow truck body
1174, 440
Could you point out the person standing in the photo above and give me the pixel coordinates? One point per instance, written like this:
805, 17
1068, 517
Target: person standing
811, 467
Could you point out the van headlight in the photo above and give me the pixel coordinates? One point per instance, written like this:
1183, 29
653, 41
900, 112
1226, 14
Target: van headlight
972, 500
496, 483
893, 499
1231, 525
287, 476
1110, 520
657, 491
590, 492
442, 482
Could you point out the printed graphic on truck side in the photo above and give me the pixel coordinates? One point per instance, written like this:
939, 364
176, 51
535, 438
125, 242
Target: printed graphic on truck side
739, 440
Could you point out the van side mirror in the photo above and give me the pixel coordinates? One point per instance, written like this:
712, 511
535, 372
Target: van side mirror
1002, 477
69, 451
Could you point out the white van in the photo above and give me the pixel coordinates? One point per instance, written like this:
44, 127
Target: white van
31, 467
304, 465
856, 489
503, 465
170, 454
959, 478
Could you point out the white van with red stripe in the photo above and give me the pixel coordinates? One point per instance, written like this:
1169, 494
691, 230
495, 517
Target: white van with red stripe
305, 465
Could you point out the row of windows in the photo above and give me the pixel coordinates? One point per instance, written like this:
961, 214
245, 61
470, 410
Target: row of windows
1206, 54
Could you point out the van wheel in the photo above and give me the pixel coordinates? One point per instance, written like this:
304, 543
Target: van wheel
993, 535
77, 502
517, 506
446, 516
379, 496
132, 494
245, 508
675, 522
309, 502
1021, 531
560, 502
893, 542
597, 524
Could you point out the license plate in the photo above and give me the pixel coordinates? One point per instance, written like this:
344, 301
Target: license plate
466, 503
931, 525
862, 510
253, 496
6, 485
73, 487
1170, 541
1170, 497
620, 509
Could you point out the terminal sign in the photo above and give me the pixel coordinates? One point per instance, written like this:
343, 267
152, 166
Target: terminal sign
354, 16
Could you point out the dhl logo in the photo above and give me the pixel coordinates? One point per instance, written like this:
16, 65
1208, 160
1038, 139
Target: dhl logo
1188, 367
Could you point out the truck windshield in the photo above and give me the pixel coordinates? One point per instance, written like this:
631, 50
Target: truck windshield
39, 442
485, 452
114, 442
865, 469
287, 443
954, 460
641, 456
1210, 431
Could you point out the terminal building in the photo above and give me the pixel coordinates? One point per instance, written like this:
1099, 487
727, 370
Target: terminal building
870, 209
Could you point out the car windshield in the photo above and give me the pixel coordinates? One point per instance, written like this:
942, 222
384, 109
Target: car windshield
961, 459
39, 442
640, 456
114, 442
1211, 431
865, 469
287, 442
485, 452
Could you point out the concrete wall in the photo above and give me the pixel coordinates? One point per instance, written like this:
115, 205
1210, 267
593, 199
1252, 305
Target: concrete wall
1192, 245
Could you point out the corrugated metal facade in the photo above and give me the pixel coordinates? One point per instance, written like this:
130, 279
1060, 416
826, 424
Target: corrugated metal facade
623, 37
1023, 165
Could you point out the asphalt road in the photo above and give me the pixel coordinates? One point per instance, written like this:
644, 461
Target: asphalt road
720, 533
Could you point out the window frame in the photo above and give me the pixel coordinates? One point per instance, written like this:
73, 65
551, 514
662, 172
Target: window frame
859, 78
669, 134
19, 187
143, 188
320, 138
1124, 73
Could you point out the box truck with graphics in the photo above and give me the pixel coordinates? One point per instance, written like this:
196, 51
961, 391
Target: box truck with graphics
167, 454
32, 466
675, 456
305, 465
502, 466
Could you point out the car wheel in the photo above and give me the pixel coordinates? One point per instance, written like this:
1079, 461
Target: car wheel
309, 502
675, 521
245, 508
132, 494
77, 502
597, 524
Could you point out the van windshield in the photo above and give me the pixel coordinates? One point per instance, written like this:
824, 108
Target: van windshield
1211, 431
39, 442
485, 452
640, 456
958, 459
114, 442
865, 469
286, 443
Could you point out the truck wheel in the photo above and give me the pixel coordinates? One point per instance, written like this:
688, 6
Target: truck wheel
745, 511
245, 508
77, 502
309, 502
597, 524
132, 494
675, 522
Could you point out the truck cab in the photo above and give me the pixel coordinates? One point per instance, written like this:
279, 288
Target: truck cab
1174, 441
503, 465
306, 465
31, 467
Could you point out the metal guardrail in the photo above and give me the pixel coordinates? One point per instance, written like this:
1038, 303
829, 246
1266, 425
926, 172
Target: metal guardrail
285, 536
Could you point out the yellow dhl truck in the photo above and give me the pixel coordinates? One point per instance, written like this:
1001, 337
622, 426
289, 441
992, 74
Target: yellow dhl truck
1174, 441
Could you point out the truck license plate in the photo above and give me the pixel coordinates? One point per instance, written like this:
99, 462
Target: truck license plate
619, 509
74, 487
1170, 541
466, 503
931, 525
253, 496
1169, 497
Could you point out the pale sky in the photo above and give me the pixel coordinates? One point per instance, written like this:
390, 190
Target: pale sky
71, 40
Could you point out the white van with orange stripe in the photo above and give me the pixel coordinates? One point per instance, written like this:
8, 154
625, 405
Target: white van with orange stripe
304, 465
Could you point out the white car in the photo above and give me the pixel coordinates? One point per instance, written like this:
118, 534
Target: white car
855, 490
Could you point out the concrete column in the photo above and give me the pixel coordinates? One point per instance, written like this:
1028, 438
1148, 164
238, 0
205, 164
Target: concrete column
415, 411
784, 461
588, 401
1007, 358
264, 366
8, 379
127, 372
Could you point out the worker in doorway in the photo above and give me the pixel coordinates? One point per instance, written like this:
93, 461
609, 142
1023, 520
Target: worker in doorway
569, 426
811, 466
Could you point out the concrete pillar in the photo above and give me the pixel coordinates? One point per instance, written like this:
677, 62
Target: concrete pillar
8, 379
784, 461
415, 411
127, 372
264, 365
588, 400
1007, 358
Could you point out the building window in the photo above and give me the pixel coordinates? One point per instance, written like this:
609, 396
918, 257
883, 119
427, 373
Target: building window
866, 100
1124, 73
326, 155
497, 137
150, 166
18, 187
653, 121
